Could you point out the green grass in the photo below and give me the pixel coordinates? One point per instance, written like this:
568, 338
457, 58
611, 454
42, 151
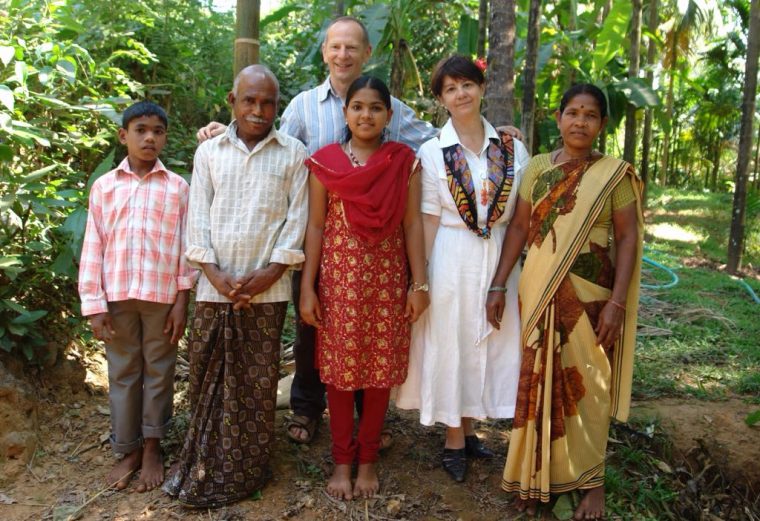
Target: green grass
714, 348
699, 223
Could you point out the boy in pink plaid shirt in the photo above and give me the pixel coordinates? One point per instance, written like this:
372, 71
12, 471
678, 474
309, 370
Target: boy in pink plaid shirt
134, 284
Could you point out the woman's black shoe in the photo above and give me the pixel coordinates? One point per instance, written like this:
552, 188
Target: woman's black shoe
455, 463
474, 448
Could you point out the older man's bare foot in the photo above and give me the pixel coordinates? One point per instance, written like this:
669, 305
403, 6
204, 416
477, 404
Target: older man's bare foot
339, 484
123, 471
529, 506
152, 472
367, 483
592, 504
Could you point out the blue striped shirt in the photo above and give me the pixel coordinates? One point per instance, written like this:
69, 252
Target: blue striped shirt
315, 117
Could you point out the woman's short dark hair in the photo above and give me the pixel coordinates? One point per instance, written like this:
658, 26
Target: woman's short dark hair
457, 67
585, 88
368, 82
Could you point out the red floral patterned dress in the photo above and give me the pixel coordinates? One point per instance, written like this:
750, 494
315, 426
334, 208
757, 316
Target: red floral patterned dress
364, 339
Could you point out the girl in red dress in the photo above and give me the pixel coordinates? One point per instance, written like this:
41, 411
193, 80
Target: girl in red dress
364, 239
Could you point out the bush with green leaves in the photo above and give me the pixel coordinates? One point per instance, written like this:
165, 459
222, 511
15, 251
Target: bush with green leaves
66, 71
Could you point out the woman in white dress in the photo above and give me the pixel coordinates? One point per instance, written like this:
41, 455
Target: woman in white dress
460, 366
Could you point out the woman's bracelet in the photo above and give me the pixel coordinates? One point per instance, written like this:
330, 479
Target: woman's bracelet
616, 304
495, 289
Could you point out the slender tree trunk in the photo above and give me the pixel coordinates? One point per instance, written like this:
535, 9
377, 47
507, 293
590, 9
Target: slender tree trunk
672, 164
629, 145
529, 75
397, 68
756, 172
246, 34
340, 9
649, 114
717, 151
572, 25
482, 28
736, 238
669, 110
500, 84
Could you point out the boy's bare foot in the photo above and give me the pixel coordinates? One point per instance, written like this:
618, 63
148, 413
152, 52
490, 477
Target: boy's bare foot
526, 505
367, 483
339, 485
152, 472
592, 504
123, 471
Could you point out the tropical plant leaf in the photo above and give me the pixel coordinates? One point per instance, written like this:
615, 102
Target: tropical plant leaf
29, 317
613, 34
6, 97
101, 169
638, 93
467, 38
279, 14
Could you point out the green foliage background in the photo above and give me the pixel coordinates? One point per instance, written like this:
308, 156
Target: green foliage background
66, 71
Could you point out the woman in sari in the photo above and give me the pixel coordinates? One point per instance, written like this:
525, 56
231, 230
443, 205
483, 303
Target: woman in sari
579, 212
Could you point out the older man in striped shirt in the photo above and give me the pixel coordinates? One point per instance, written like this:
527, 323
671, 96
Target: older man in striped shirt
246, 222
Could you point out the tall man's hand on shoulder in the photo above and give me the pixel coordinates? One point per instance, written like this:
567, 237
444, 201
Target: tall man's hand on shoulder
507, 129
213, 129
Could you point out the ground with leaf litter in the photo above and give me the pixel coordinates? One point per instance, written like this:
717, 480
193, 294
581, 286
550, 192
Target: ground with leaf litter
713, 453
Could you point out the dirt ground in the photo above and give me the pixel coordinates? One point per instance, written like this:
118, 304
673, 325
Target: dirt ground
65, 476
715, 427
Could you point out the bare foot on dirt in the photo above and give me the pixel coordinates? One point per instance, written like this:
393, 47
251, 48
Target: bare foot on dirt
367, 483
123, 471
529, 506
592, 504
152, 472
339, 485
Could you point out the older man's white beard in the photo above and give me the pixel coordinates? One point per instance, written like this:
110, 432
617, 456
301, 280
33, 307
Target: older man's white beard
255, 120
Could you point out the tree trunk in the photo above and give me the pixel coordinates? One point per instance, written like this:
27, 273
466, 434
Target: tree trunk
629, 146
669, 110
500, 83
717, 150
397, 69
646, 142
736, 238
756, 178
529, 76
482, 28
246, 34
340, 9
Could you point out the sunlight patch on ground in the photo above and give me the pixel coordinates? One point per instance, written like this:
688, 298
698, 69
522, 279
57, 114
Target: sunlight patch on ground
673, 232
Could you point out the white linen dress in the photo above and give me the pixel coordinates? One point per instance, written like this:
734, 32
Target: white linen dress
459, 365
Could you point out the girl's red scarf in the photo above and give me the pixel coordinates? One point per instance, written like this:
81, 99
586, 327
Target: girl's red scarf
373, 195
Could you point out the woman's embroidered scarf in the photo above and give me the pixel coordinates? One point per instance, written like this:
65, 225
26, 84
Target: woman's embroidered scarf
501, 175
373, 195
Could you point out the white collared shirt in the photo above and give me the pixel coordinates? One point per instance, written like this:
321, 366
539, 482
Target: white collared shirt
435, 189
247, 208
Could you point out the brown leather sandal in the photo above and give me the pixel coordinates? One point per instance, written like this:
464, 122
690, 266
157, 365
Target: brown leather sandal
302, 422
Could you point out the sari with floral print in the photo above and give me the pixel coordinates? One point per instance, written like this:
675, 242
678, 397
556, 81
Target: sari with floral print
569, 385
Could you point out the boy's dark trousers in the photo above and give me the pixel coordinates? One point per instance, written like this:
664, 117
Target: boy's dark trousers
141, 364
